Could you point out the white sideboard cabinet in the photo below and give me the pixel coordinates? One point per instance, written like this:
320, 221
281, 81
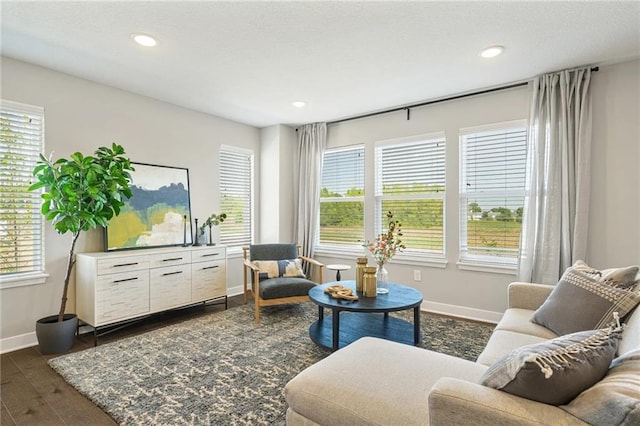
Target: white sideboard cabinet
112, 287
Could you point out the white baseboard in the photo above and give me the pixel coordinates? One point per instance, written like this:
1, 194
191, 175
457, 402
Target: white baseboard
235, 290
462, 312
13, 343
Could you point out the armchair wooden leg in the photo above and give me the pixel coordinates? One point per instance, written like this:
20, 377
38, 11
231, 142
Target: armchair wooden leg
256, 307
256, 297
244, 283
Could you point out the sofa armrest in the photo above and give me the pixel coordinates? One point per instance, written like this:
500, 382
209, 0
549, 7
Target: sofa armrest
459, 402
528, 295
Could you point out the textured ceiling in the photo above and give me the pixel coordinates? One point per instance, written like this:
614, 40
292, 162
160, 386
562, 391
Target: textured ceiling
247, 61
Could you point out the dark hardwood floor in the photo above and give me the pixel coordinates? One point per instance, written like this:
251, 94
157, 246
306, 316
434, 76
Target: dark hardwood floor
33, 394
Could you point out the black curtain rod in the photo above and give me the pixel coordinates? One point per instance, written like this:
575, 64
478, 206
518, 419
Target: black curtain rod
435, 101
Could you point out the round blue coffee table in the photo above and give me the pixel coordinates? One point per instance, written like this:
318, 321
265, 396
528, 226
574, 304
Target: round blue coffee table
359, 318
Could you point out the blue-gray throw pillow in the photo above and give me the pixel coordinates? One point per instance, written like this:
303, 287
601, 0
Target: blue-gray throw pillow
581, 302
557, 370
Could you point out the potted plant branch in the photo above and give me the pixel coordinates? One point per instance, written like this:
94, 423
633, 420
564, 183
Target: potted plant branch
213, 220
80, 193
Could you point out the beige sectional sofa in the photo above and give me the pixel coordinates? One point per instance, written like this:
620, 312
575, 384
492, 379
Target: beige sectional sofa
378, 382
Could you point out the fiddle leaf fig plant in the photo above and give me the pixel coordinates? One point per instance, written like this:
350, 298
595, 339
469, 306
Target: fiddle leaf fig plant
81, 193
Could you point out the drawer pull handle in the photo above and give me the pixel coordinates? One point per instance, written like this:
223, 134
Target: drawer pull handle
210, 267
125, 264
211, 254
171, 259
171, 273
125, 279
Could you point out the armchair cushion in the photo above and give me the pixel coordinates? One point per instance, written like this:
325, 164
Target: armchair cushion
275, 288
273, 251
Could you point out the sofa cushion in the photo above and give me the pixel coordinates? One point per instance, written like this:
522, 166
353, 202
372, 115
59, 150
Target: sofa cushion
556, 371
631, 332
517, 320
614, 400
374, 381
502, 342
581, 302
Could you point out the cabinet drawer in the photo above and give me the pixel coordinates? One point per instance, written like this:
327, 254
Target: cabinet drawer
208, 280
169, 287
122, 296
170, 258
122, 264
207, 254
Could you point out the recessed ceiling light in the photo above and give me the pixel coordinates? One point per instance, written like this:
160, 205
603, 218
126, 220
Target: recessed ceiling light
144, 40
299, 104
492, 51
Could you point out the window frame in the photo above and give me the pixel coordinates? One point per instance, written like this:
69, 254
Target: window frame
485, 263
38, 275
345, 248
234, 150
419, 257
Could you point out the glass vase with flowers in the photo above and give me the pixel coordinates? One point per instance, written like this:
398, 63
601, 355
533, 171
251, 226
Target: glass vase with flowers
383, 248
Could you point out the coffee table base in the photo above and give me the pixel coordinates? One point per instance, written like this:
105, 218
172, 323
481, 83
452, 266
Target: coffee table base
356, 325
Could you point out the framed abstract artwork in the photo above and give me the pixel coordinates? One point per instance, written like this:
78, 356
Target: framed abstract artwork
157, 215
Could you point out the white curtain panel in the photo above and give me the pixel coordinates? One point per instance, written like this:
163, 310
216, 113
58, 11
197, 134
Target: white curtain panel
312, 141
556, 210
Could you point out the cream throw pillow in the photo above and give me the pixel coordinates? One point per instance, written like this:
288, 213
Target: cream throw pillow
280, 268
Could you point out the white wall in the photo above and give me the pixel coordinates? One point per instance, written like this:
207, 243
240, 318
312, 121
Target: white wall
615, 201
269, 227
277, 145
614, 231
81, 116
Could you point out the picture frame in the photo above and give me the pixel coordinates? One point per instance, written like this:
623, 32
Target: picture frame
157, 215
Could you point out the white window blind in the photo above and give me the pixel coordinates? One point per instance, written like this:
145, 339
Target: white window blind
236, 196
21, 236
342, 198
410, 182
492, 178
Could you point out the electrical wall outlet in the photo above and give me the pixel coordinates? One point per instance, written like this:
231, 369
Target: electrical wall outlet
417, 276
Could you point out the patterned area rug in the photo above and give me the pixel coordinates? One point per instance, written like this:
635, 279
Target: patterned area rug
222, 368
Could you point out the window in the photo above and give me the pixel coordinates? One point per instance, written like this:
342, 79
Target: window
410, 182
342, 197
21, 224
236, 196
492, 173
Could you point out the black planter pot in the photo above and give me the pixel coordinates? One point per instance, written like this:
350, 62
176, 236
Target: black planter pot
56, 337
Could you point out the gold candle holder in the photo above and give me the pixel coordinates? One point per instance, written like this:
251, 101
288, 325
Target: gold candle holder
360, 265
369, 287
